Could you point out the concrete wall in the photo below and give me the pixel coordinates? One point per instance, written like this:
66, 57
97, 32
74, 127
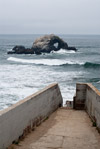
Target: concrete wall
22, 117
79, 99
92, 103
89, 96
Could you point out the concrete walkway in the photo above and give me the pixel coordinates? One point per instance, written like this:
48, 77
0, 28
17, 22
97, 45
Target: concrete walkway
65, 129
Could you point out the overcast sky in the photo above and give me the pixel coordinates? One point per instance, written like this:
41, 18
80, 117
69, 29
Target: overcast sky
50, 16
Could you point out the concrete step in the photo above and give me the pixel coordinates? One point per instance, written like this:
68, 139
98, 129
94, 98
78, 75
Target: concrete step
64, 129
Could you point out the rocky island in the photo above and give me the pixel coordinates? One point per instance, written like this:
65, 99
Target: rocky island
44, 44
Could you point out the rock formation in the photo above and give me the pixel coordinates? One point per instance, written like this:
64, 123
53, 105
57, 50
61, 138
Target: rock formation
44, 44
49, 43
21, 50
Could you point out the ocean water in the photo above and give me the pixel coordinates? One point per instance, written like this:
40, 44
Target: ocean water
22, 75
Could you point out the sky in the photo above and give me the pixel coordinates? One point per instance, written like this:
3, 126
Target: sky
49, 16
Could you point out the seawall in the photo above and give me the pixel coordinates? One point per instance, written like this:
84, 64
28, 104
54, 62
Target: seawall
88, 98
17, 120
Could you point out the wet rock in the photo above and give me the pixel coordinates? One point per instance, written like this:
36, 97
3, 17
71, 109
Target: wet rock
18, 49
44, 44
49, 43
72, 48
21, 50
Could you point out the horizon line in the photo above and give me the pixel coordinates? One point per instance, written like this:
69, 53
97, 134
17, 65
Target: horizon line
47, 34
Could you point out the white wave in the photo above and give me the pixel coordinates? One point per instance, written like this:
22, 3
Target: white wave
98, 82
64, 51
9, 49
25, 80
49, 62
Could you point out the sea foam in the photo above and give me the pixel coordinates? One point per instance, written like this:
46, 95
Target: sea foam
55, 62
64, 51
49, 62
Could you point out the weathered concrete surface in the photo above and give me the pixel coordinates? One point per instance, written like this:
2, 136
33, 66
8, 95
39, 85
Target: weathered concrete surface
19, 119
88, 97
65, 129
92, 104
